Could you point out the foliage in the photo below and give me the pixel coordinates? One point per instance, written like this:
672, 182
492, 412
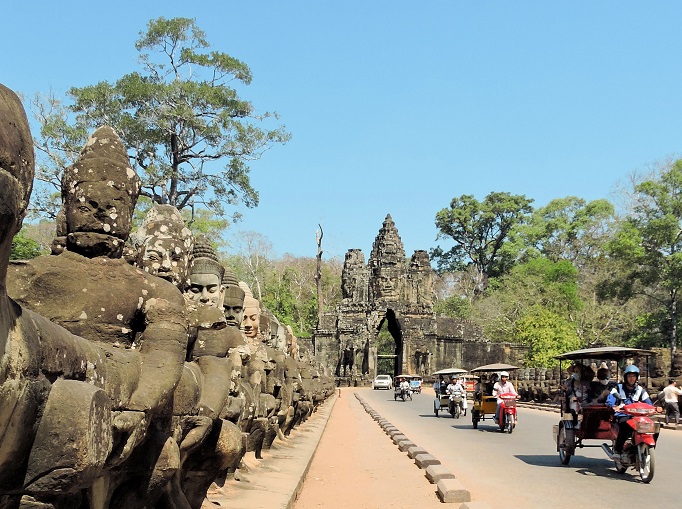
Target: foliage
179, 117
539, 283
565, 229
385, 345
288, 284
649, 244
23, 247
546, 334
479, 231
454, 306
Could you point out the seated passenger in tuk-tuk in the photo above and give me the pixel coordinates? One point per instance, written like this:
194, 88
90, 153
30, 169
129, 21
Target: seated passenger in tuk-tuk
578, 387
601, 387
439, 386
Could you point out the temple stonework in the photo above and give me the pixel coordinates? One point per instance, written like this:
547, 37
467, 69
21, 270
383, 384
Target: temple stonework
399, 292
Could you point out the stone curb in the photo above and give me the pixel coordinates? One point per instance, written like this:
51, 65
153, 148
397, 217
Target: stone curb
435, 473
450, 489
279, 476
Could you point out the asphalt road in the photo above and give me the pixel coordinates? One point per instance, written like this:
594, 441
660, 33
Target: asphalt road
522, 470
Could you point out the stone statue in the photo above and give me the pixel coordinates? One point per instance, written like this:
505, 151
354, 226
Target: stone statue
211, 445
163, 245
44, 369
138, 319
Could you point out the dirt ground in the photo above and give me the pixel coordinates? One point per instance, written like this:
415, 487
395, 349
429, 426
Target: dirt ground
357, 465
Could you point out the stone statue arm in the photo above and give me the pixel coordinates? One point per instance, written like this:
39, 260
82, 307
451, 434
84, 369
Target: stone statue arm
217, 372
163, 346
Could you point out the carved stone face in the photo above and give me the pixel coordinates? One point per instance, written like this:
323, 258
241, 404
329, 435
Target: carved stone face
98, 218
251, 321
205, 289
233, 306
167, 259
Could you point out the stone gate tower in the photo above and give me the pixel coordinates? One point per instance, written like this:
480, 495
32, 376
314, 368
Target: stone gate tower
391, 289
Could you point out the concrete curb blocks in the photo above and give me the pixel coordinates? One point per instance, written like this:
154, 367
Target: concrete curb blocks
405, 446
435, 473
413, 451
452, 491
425, 460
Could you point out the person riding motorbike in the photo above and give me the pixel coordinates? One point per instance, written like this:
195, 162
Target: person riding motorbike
625, 393
503, 387
404, 386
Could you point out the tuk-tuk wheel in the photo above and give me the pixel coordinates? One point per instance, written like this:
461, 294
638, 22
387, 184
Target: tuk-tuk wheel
566, 442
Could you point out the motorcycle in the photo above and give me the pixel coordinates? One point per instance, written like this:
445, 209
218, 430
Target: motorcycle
638, 451
456, 403
507, 418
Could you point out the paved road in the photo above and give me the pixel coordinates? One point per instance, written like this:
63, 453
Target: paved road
523, 468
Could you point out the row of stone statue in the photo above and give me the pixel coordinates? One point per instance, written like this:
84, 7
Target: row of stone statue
134, 372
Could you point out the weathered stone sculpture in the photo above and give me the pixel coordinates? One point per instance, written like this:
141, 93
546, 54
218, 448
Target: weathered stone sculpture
42, 366
163, 245
222, 448
138, 319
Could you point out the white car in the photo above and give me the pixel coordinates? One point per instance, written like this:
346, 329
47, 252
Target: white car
382, 382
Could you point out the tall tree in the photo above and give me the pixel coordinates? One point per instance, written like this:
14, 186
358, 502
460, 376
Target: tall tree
479, 231
650, 244
179, 117
567, 228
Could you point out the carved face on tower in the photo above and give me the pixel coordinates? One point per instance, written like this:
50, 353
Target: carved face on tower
99, 192
165, 245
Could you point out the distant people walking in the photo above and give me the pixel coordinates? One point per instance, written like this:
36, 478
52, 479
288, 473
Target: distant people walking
671, 394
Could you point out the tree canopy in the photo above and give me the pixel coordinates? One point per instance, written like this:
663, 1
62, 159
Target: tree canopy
479, 231
179, 116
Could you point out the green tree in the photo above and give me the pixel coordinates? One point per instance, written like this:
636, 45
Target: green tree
546, 334
479, 231
566, 229
23, 247
537, 284
179, 117
649, 243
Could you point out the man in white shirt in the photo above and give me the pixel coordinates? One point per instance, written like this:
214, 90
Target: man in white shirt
671, 394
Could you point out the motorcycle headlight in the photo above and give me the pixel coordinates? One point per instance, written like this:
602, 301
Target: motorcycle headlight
646, 427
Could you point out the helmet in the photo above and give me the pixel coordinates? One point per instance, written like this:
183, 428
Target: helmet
631, 369
454, 377
505, 374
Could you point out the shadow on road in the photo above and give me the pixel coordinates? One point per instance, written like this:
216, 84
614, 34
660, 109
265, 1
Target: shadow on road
586, 466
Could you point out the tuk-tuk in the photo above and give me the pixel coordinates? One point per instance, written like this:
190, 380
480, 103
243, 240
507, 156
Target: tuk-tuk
485, 404
398, 392
416, 384
442, 399
584, 416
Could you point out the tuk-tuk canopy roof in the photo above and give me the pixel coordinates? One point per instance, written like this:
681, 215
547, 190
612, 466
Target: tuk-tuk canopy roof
404, 376
604, 353
450, 371
416, 376
495, 367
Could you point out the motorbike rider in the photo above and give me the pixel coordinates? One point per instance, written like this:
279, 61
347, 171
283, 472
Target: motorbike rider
625, 393
404, 386
457, 388
503, 387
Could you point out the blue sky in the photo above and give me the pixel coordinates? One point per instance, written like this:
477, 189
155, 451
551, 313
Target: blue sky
398, 107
